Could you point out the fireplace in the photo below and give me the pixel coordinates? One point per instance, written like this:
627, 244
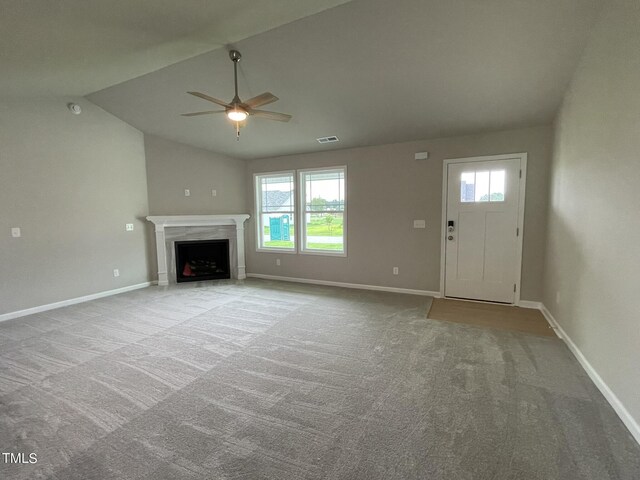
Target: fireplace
173, 228
202, 260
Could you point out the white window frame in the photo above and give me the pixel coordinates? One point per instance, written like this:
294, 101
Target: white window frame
259, 212
302, 226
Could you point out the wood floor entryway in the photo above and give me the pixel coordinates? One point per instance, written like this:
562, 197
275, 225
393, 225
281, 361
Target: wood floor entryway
503, 317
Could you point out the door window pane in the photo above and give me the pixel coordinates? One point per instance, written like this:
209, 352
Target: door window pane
468, 187
482, 186
497, 186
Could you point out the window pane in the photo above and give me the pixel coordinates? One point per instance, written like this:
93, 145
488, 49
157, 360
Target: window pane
278, 230
324, 207
468, 187
324, 191
276, 210
482, 187
277, 193
324, 231
497, 186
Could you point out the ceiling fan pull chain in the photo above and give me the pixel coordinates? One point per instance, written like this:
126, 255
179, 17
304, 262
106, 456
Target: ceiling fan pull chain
237, 131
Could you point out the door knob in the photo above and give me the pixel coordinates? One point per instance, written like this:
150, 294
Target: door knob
450, 237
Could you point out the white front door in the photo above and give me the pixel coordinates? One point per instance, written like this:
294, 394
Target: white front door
482, 259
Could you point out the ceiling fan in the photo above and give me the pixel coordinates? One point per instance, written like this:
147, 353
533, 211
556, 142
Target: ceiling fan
237, 110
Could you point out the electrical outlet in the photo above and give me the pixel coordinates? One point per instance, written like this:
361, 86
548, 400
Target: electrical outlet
278, 262
396, 270
187, 192
129, 227
116, 272
15, 232
214, 193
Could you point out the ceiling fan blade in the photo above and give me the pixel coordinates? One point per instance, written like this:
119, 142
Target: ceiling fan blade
280, 117
208, 112
204, 96
260, 100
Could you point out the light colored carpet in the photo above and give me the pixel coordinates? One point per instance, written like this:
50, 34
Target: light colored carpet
504, 317
266, 380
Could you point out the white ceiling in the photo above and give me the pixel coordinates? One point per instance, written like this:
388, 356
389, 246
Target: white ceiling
369, 71
75, 47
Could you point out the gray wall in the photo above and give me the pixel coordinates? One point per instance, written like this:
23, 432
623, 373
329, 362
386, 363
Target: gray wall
71, 183
172, 167
387, 187
592, 269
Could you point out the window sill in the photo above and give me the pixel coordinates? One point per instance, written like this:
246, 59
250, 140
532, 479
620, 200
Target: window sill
275, 250
323, 253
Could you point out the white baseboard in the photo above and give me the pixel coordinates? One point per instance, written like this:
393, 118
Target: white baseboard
72, 301
359, 286
611, 397
530, 304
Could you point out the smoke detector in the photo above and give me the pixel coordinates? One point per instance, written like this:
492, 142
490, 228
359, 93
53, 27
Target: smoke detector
74, 108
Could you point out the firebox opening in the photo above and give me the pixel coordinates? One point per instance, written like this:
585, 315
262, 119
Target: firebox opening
202, 260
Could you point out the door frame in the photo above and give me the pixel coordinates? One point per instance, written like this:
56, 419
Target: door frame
445, 186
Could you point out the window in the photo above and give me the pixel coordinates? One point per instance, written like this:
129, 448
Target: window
321, 211
275, 199
482, 186
322, 217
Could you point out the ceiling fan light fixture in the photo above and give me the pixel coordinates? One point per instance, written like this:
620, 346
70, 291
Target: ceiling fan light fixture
236, 110
237, 115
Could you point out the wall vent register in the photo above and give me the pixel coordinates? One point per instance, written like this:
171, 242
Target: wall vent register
331, 139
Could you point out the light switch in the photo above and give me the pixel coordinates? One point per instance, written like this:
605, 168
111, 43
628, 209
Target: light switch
419, 224
129, 227
214, 193
15, 232
187, 192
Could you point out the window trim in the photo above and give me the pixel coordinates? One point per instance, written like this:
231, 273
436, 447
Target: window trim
302, 211
258, 207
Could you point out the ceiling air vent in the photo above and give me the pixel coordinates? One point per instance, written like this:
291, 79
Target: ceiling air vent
330, 139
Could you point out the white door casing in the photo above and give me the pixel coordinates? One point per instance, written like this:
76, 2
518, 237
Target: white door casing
482, 250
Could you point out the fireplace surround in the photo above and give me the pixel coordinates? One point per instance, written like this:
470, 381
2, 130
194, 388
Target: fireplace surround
177, 228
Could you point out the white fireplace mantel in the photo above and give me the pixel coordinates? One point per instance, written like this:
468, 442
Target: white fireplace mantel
162, 222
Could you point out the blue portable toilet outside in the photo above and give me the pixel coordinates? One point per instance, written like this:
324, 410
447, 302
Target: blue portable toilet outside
279, 228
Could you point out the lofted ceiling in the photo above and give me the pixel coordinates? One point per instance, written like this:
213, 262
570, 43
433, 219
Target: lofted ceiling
75, 47
369, 71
